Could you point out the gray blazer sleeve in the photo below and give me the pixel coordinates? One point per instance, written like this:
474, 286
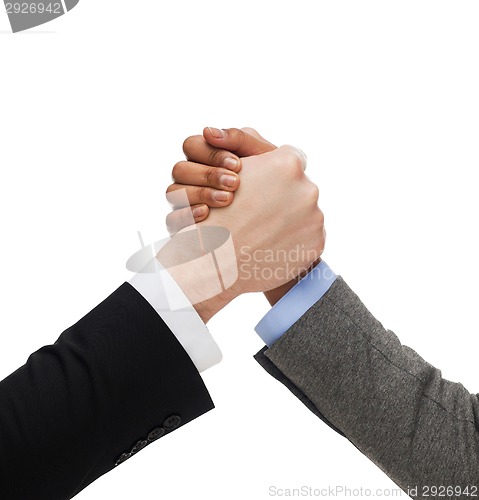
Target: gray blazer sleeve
419, 428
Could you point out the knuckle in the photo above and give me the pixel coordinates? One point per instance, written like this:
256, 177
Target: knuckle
293, 162
240, 133
297, 162
314, 193
203, 194
190, 142
236, 132
317, 217
209, 175
237, 136
250, 130
321, 218
179, 219
215, 157
185, 217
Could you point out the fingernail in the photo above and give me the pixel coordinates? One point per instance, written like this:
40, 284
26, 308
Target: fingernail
230, 163
220, 195
228, 180
198, 212
216, 132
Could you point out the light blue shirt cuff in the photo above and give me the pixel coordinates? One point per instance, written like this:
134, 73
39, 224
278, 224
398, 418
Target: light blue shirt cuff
295, 303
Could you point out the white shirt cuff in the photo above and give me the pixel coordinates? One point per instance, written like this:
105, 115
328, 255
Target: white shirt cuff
169, 301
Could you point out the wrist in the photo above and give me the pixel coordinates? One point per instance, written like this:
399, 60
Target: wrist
274, 295
203, 264
208, 308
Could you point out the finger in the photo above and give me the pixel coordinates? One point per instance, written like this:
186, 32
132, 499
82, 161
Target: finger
194, 174
196, 149
195, 195
255, 133
184, 217
239, 141
298, 153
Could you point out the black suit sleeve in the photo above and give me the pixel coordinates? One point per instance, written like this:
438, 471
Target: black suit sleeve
110, 385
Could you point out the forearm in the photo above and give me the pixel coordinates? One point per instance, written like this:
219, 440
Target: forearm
63, 421
395, 407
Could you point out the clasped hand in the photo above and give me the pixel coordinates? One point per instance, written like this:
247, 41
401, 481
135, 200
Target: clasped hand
237, 180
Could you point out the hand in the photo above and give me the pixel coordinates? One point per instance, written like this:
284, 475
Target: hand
209, 176
208, 154
275, 222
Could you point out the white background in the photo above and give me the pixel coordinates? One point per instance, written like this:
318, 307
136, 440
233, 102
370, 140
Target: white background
383, 98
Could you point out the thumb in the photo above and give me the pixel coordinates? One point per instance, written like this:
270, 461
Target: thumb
241, 142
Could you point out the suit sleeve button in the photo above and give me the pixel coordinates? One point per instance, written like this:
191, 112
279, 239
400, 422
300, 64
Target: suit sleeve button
139, 446
172, 422
156, 434
122, 458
